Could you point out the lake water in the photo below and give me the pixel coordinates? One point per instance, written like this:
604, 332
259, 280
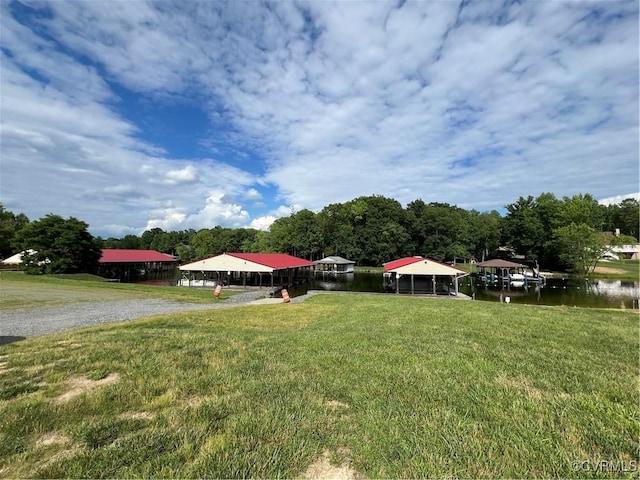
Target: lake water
555, 291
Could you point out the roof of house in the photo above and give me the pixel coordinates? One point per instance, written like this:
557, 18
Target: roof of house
118, 255
499, 263
17, 258
335, 260
421, 266
247, 262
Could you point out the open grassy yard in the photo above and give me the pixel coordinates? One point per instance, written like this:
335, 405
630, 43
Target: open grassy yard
363, 385
18, 290
618, 269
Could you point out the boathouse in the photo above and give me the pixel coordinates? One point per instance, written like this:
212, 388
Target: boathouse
129, 265
257, 269
498, 269
335, 264
422, 275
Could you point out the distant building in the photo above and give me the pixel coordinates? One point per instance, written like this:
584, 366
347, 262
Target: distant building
136, 265
14, 261
335, 264
626, 252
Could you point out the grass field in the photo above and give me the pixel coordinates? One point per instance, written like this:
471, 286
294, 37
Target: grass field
19, 291
377, 386
627, 269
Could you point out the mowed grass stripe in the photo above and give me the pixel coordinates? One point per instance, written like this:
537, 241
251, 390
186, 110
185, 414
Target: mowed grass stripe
391, 386
18, 290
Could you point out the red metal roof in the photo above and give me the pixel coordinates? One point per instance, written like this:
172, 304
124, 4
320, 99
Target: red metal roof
401, 262
277, 261
117, 255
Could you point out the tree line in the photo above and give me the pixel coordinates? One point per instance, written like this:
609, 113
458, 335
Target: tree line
558, 233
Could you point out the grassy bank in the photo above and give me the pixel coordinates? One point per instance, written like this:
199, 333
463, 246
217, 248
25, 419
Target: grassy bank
624, 270
18, 290
382, 386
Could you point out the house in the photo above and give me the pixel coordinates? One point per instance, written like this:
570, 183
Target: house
335, 264
627, 252
422, 275
258, 269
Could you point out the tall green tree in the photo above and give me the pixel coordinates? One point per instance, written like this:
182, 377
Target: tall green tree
580, 246
378, 229
61, 246
523, 228
485, 231
439, 230
335, 228
581, 209
297, 234
628, 218
10, 223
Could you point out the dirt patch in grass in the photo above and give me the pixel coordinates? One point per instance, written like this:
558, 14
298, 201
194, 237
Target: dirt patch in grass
137, 416
608, 270
335, 404
522, 385
79, 385
3, 367
51, 438
322, 469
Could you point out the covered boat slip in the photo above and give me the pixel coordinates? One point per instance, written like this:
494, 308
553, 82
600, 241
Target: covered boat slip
335, 264
246, 269
498, 270
419, 275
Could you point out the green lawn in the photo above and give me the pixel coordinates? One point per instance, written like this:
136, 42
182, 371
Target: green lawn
19, 291
387, 386
631, 269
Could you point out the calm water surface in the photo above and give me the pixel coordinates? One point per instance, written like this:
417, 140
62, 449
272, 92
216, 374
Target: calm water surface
556, 291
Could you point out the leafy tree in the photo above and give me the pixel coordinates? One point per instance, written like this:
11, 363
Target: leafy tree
378, 229
485, 231
335, 229
150, 239
581, 208
297, 234
202, 243
628, 217
439, 230
61, 246
185, 253
580, 246
9, 225
523, 229
259, 243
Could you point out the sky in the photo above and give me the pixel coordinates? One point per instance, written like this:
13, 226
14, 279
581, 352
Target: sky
132, 115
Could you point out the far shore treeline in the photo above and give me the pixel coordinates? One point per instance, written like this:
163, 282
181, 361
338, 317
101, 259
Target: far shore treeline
370, 230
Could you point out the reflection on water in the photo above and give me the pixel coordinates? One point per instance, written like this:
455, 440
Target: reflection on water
556, 291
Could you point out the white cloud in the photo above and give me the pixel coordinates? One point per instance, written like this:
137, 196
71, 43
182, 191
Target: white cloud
252, 194
183, 176
619, 198
265, 221
262, 223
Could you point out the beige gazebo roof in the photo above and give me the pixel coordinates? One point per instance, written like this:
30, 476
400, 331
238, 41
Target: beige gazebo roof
499, 263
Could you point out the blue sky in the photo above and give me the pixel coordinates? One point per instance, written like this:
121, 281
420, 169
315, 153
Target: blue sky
132, 115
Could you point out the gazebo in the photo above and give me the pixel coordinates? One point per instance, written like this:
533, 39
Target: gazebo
422, 275
336, 264
244, 268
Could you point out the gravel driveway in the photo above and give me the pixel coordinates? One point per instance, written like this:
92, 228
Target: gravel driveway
20, 323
